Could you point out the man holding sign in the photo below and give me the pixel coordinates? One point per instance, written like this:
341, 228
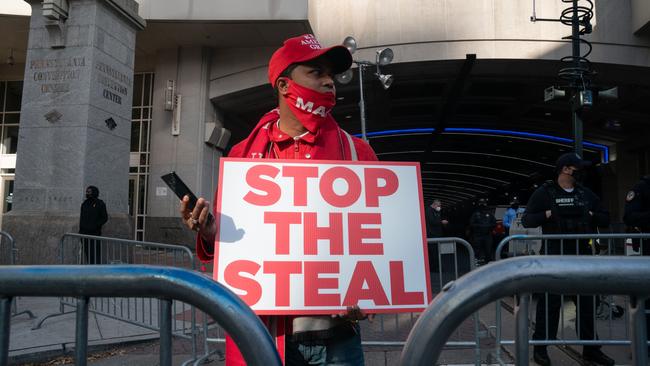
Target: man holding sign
301, 236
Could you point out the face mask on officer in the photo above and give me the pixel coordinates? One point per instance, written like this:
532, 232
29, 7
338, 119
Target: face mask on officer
577, 174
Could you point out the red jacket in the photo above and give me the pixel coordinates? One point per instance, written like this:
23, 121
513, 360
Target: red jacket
267, 141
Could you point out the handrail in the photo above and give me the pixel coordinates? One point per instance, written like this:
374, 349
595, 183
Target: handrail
559, 274
218, 302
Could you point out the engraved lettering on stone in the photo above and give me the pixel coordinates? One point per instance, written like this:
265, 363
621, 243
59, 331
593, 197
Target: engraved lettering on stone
54, 75
113, 81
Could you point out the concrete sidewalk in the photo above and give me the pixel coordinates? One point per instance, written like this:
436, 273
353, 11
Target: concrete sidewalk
56, 335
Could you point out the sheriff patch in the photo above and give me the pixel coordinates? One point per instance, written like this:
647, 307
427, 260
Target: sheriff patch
630, 196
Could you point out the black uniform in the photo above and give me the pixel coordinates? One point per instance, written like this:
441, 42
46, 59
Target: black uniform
637, 218
570, 214
91, 219
482, 223
434, 222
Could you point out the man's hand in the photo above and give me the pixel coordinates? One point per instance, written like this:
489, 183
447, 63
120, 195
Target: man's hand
198, 218
354, 314
548, 214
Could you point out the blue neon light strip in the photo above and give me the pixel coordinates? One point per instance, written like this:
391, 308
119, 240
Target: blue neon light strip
538, 136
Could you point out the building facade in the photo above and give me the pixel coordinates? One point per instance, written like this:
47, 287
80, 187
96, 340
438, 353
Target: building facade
201, 67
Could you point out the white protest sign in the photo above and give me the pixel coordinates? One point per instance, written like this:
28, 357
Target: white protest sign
313, 237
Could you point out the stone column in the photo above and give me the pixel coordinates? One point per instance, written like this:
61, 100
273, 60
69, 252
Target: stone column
75, 121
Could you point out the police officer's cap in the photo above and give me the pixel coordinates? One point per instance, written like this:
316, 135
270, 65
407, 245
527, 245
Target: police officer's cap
571, 159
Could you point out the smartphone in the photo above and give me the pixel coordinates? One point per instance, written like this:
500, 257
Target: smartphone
180, 188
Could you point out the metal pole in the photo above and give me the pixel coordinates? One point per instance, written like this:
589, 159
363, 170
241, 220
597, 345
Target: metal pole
81, 337
521, 324
577, 127
576, 106
165, 332
5, 328
362, 104
638, 326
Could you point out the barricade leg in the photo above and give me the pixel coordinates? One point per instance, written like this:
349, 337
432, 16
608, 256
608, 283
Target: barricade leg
5, 322
521, 320
165, 332
81, 337
639, 334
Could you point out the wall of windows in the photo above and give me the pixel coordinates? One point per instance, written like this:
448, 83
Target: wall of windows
140, 151
10, 101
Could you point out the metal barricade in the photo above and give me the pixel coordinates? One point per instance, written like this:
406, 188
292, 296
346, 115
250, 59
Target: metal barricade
451, 258
78, 249
522, 276
609, 318
164, 283
9, 257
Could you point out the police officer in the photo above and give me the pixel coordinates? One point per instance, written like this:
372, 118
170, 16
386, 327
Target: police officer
564, 206
637, 218
482, 223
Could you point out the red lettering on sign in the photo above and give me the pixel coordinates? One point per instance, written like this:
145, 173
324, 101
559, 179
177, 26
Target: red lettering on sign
314, 283
300, 175
255, 181
364, 273
327, 186
283, 272
372, 176
397, 285
333, 233
357, 234
233, 278
282, 221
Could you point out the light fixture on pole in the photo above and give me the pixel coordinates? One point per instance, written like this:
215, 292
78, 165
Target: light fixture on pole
383, 57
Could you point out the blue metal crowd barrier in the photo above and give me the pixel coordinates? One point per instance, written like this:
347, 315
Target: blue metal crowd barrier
9, 257
522, 276
164, 283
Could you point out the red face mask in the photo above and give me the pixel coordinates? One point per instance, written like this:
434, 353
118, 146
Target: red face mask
309, 106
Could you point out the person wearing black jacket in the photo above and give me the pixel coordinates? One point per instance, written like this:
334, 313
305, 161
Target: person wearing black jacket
564, 206
637, 218
481, 223
435, 225
93, 216
434, 220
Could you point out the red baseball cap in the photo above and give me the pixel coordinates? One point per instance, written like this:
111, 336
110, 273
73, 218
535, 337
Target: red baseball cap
305, 48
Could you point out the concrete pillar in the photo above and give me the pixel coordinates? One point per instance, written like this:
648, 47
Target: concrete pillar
75, 121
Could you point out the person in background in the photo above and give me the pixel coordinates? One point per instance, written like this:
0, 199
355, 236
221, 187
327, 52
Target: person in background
91, 219
435, 227
435, 222
637, 219
564, 206
481, 223
511, 214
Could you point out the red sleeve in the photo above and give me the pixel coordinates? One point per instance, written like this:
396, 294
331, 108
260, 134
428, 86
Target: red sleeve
202, 252
364, 150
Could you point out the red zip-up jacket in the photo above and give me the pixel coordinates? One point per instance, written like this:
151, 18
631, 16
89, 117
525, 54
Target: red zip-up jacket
267, 141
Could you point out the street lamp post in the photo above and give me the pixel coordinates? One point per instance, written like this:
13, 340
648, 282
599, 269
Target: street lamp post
384, 56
